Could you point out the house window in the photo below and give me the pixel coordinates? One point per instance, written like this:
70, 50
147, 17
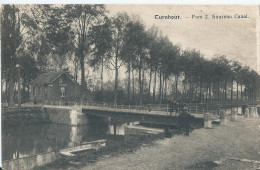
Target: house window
34, 91
62, 92
45, 92
39, 91
60, 80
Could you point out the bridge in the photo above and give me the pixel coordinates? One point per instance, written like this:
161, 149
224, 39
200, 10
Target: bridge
76, 114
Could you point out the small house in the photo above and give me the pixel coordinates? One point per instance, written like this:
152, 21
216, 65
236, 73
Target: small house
54, 87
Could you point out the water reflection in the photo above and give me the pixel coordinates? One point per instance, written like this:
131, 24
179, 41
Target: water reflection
20, 142
39, 144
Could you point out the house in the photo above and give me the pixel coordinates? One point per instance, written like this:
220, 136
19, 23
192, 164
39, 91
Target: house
54, 87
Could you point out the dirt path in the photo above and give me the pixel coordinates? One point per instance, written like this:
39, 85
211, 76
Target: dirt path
228, 144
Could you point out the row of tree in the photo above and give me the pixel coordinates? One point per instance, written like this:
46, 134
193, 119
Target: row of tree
46, 37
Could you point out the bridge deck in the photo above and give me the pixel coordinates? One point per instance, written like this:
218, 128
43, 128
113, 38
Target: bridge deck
132, 111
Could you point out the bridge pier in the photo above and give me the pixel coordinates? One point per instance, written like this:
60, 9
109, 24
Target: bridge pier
207, 120
65, 115
223, 117
253, 112
247, 112
234, 114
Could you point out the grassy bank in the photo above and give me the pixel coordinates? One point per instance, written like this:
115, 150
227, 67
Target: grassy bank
231, 145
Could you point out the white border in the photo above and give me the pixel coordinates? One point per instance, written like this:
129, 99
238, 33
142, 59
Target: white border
191, 2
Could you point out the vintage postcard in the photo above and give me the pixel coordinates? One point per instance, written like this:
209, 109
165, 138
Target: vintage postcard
152, 86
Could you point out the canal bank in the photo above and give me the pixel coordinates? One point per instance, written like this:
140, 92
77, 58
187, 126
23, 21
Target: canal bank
19, 116
231, 146
22, 116
123, 141
234, 145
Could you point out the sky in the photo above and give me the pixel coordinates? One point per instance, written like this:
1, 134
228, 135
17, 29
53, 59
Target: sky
235, 38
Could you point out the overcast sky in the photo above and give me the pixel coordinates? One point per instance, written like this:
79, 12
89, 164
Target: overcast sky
235, 38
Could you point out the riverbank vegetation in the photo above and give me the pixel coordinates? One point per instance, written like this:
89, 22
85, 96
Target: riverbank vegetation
88, 42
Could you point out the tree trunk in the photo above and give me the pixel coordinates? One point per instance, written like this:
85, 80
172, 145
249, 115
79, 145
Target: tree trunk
231, 97
245, 93
225, 89
140, 81
165, 88
116, 78
209, 92
218, 91
76, 70
154, 87
133, 81
176, 86
160, 85
149, 87
142, 86
190, 91
237, 91
241, 88
200, 91
254, 91
11, 88
162, 93
7, 82
185, 92
102, 70
82, 68
128, 83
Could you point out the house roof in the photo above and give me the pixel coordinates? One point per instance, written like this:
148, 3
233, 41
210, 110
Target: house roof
46, 78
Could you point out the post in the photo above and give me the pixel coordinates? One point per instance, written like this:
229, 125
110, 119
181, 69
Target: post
252, 112
207, 120
223, 118
234, 114
114, 129
256, 112
196, 109
246, 112
19, 82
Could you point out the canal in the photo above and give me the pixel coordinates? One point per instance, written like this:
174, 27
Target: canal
33, 145
23, 145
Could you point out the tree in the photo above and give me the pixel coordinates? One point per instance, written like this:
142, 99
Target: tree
236, 68
152, 60
118, 24
59, 36
101, 39
244, 80
29, 71
221, 70
135, 49
14, 20
82, 18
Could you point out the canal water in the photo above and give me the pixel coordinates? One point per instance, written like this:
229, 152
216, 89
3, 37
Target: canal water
28, 141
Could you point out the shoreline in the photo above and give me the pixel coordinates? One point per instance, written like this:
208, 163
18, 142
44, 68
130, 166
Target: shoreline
230, 146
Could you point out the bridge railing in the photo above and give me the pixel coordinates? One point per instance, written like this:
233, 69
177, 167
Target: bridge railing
193, 109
